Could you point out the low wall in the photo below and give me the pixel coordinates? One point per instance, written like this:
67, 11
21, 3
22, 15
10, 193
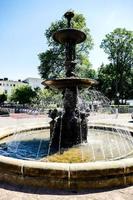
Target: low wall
80, 176
123, 108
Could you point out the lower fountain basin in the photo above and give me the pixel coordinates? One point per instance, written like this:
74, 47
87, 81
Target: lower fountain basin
69, 83
35, 145
71, 176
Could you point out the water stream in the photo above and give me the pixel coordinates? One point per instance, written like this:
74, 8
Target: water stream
101, 145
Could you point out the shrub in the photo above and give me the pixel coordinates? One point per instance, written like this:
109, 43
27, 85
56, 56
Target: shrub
2, 112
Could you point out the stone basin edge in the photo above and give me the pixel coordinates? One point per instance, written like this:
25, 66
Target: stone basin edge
90, 175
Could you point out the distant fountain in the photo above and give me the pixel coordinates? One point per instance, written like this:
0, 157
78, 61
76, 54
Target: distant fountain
72, 122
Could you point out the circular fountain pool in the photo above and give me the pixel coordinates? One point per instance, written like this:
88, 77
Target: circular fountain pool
107, 144
37, 171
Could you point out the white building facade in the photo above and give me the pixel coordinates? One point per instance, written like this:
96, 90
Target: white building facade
34, 82
6, 86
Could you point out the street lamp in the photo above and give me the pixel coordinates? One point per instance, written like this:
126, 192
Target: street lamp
118, 94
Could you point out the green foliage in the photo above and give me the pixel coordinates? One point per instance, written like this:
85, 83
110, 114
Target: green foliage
49, 98
85, 70
23, 95
52, 61
4, 113
3, 97
117, 77
119, 47
106, 79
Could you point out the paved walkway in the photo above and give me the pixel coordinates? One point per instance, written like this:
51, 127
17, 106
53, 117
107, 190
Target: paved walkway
7, 192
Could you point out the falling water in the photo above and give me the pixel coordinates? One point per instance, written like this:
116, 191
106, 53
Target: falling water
40, 143
101, 145
79, 103
61, 115
96, 102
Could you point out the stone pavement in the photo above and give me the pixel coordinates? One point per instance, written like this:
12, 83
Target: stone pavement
123, 120
8, 192
16, 193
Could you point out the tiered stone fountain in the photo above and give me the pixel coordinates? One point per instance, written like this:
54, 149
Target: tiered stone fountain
71, 127
67, 130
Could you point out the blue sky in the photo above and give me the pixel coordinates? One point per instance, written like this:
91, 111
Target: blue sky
23, 23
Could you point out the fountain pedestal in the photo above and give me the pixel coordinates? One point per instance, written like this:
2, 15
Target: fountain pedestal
70, 128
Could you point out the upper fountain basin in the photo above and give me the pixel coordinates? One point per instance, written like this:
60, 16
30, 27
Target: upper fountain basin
69, 83
69, 35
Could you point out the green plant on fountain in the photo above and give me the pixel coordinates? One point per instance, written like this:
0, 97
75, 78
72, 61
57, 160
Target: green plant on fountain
70, 127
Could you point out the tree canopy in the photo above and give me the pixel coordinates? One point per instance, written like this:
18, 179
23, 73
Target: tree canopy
49, 98
52, 60
23, 95
3, 97
118, 74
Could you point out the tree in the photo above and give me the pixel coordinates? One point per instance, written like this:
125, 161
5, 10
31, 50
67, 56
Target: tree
119, 47
3, 97
49, 98
23, 95
106, 80
52, 60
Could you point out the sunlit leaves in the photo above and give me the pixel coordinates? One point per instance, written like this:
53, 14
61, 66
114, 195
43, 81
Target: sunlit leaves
52, 60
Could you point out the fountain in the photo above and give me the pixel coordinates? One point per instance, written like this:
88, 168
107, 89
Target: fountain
72, 122
33, 156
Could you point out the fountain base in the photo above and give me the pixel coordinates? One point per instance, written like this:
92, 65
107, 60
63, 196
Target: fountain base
68, 131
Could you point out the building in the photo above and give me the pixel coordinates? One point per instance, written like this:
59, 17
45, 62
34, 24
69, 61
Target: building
34, 82
6, 86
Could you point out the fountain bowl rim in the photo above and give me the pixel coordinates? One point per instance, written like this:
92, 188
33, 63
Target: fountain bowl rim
69, 34
62, 83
